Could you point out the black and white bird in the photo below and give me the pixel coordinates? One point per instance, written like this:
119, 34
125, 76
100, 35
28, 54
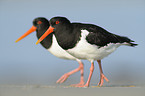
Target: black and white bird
40, 25
85, 41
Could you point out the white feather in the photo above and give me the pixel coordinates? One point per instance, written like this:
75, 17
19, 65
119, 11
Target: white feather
57, 51
85, 50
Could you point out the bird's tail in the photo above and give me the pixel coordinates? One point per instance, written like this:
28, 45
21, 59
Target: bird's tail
129, 42
125, 41
132, 44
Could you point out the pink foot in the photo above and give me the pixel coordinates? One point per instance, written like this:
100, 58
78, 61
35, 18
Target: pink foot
62, 78
79, 84
102, 77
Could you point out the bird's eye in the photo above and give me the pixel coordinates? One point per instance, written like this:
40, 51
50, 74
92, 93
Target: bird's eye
57, 22
39, 22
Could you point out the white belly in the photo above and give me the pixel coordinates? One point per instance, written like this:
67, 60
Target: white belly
57, 51
84, 50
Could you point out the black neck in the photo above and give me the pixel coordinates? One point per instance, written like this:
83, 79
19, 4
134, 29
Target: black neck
47, 42
67, 37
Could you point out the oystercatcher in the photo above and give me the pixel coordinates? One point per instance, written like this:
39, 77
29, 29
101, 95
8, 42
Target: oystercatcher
40, 25
85, 41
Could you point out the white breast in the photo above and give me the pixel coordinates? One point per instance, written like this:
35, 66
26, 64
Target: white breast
57, 51
85, 50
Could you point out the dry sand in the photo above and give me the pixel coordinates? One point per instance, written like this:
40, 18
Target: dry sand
42, 90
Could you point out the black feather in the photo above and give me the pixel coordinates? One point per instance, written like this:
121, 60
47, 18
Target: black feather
101, 37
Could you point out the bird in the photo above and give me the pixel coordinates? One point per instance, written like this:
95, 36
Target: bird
40, 25
85, 41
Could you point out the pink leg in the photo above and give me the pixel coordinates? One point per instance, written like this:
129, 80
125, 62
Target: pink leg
65, 76
90, 75
82, 75
102, 76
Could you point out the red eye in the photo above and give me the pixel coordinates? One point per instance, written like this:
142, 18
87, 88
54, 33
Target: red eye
39, 22
57, 22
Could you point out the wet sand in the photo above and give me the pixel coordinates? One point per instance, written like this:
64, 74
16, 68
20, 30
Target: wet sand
42, 90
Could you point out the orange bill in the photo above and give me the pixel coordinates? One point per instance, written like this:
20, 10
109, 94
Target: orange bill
49, 30
32, 29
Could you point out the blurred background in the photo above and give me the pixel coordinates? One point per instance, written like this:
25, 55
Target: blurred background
27, 63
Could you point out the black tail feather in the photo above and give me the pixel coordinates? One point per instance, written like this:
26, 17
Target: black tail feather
133, 45
123, 39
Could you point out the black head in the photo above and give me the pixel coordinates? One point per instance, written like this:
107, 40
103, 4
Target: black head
40, 23
56, 22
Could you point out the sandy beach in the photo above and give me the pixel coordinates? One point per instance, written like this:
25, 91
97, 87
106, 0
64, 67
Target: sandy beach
44, 90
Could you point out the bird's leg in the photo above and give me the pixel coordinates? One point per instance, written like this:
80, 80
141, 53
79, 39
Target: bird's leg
80, 68
102, 76
89, 78
82, 75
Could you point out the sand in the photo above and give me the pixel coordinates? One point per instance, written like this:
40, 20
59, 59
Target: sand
42, 90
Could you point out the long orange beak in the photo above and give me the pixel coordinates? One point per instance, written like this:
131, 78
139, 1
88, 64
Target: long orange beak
32, 29
49, 30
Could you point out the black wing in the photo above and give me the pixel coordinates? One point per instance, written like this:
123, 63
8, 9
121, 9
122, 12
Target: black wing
101, 37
